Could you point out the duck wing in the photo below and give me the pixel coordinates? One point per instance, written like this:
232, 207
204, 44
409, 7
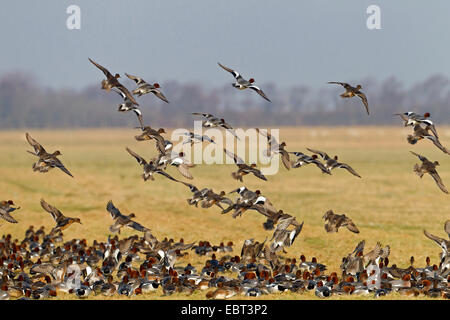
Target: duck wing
184, 170
236, 159
259, 91
285, 159
440, 241
103, 69
350, 225
135, 79
114, 212
6, 216
438, 181
136, 226
322, 154
437, 143
139, 159
345, 85
235, 74
127, 93
160, 95
363, 98
56, 214
348, 168
166, 175
55, 162
38, 148
422, 158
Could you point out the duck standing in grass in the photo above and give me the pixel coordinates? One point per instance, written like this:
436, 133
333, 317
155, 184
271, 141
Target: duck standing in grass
46, 160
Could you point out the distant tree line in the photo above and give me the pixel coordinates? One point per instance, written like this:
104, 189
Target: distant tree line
26, 104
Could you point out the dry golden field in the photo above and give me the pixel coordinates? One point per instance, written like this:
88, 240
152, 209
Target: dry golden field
389, 204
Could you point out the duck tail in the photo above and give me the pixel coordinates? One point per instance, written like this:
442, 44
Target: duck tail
417, 170
236, 176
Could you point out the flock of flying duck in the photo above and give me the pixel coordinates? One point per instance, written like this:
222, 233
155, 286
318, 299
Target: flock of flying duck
360, 273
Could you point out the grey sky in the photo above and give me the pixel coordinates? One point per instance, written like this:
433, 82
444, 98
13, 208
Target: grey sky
288, 42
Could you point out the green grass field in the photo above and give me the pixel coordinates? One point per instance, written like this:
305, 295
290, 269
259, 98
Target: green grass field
389, 204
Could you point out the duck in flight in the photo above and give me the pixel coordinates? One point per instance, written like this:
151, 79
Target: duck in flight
332, 163
242, 84
144, 88
46, 160
429, 167
111, 82
352, 92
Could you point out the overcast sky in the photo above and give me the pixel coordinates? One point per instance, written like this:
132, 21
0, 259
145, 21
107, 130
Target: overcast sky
288, 41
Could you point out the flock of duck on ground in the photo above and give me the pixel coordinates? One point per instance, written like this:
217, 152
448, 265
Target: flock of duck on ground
75, 267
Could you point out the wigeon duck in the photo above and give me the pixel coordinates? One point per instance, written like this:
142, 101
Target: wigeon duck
111, 82
353, 91
144, 88
177, 160
62, 222
332, 163
420, 133
429, 167
214, 122
334, 221
121, 220
149, 168
5, 210
242, 84
412, 119
276, 148
322, 291
223, 293
46, 160
127, 105
196, 138
282, 237
148, 133
251, 249
304, 159
244, 168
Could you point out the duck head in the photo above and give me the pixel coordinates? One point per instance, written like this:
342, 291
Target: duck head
156, 85
251, 80
358, 87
